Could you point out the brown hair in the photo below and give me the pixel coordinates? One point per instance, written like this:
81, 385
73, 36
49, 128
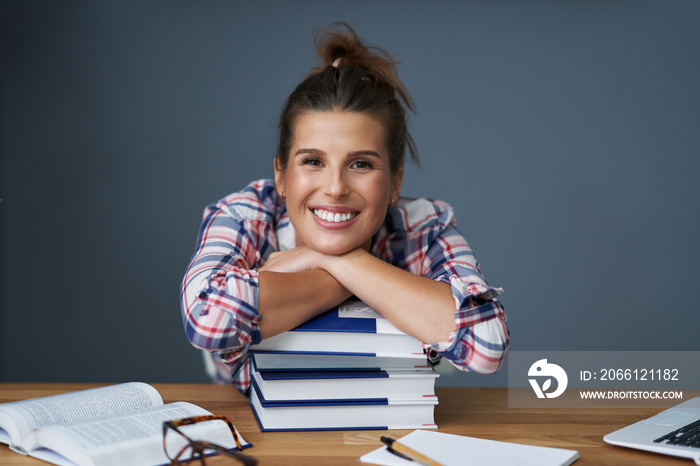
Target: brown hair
352, 78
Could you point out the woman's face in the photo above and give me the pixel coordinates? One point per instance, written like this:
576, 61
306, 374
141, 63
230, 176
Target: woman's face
337, 183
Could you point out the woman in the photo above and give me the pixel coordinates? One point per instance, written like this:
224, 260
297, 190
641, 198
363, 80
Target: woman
332, 225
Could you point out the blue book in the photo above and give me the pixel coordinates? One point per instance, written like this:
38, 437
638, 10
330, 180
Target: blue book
351, 414
298, 386
352, 329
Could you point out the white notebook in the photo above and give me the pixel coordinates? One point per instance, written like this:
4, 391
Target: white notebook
457, 450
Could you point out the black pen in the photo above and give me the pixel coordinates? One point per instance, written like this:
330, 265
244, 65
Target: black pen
403, 451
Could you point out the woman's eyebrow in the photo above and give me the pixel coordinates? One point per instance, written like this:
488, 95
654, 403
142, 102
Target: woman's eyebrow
370, 153
304, 151
319, 152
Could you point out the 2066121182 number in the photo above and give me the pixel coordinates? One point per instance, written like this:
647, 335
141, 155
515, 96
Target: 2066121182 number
639, 374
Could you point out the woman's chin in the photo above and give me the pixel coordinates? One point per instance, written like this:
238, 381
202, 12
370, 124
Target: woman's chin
336, 249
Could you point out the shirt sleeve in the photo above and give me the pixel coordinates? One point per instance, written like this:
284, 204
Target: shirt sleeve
219, 293
480, 339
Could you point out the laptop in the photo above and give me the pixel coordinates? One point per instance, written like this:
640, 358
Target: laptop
675, 431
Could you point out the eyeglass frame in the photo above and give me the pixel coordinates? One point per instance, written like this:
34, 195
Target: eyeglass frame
198, 446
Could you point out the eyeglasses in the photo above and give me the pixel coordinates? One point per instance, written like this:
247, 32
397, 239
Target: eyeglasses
194, 450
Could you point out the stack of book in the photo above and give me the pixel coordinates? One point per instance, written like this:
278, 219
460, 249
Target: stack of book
348, 368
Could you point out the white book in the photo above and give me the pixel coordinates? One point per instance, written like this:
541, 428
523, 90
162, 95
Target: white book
405, 414
293, 386
352, 329
315, 361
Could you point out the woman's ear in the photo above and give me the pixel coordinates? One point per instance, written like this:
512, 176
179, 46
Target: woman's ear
396, 181
279, 179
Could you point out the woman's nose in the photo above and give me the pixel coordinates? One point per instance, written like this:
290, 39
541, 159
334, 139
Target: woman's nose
336, 185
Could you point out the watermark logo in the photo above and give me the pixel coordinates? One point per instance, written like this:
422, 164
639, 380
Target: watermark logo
541, 369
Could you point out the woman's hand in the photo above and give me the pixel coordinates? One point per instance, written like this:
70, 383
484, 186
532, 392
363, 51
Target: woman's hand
303, 258
299, 259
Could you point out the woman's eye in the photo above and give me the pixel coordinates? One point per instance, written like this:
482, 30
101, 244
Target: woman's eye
312, 161
362, 165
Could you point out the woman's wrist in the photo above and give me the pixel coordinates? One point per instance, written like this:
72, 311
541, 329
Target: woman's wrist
343, 267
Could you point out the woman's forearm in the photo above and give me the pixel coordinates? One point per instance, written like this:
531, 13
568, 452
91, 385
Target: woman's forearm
419, 306
286, 300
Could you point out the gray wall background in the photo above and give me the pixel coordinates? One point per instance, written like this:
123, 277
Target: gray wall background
565, 134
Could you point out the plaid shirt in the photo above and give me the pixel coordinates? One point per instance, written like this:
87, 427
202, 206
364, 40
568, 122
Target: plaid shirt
219, 293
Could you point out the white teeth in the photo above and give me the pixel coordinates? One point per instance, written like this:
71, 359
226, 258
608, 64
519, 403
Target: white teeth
330, 217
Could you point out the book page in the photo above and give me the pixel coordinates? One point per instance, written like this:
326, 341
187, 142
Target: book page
19, 417
133, 438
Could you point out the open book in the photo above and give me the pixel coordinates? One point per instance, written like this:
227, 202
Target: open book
112, 425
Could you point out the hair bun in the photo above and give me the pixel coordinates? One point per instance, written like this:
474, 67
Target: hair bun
336, 47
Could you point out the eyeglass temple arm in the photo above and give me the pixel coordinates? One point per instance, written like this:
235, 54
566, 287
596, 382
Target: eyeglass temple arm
212, 417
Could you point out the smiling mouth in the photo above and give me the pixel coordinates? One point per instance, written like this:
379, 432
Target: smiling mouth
333, 217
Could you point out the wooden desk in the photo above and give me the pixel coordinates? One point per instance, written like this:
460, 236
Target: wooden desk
475, 412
